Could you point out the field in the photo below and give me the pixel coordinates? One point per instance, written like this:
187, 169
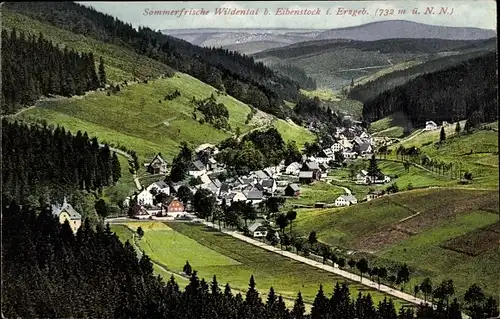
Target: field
322, 94
293, 132
233, 261
120, 63
317, 192
134, 117
476, 152
390, 126
416, 227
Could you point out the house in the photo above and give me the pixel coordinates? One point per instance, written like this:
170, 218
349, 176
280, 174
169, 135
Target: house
225, 188
159, 187
205, 178
157, 166
363, 148
306, 177
261, 175
257, 230
141, 212
212, 163
255, 196
293, 169
197, 168
235, 197
311, 167
374, 194
292, 190
66, 212
349, 154
175, 206
430, 126
211, 186
346, 144
328, 152
363, 178
269, 185
145, 198
337, 147
345, 200
126, 202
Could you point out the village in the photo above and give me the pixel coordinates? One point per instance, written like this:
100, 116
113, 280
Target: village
160, 199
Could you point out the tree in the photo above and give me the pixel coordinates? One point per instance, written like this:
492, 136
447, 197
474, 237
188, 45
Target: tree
140, 232
187, 269
403, 275
313, 238
474, 299
184, 194
274, 204
272, 238
341, 263
101, 208
282, 222
362, 266
442, 135
320, 305
458, 128
416, 290
291, 215
351, 263
373, 170
426, 287
102, 72
218, 215
204, 203
298, 308
382, 273
326, 252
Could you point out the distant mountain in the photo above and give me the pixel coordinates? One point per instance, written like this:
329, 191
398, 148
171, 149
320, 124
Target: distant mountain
334, 63
242, 40
250, 41
405, 29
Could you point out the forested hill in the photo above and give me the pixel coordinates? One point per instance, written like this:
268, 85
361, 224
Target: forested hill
238, 74
468, 90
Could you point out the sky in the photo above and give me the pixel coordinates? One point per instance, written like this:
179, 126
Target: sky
479, 14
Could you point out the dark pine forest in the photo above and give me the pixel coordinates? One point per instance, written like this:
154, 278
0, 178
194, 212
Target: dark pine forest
47, 271
33, 67
38, 161
466, 91
239, 75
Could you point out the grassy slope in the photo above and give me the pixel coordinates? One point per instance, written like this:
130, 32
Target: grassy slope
286, 276
156, 127
483, 162
293, 132
390, 126
120, 63
210, 252
317, 192
444, 214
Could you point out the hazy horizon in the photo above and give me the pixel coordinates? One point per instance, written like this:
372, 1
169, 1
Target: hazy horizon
473, 14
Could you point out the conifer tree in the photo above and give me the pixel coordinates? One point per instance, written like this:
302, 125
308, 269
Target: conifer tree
102, 72
442, 135
299, 308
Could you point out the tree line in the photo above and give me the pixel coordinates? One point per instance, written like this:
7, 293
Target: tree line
50, 272
369, 90
239, 75
295, 73
33, 67
214, 113
468, 90
38, 161
257, 150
